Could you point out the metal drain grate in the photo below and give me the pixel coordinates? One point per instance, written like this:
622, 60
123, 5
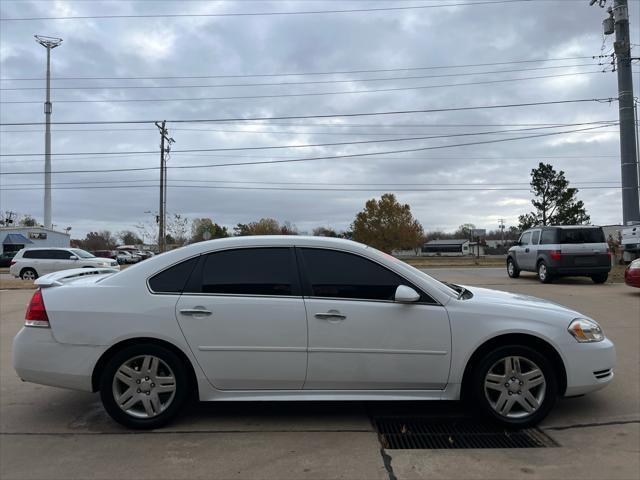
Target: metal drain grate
425, 433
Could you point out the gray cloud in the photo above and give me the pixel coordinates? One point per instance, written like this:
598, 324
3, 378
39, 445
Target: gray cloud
230, 46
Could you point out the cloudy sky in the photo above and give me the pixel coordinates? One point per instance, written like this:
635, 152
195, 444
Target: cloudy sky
232, 66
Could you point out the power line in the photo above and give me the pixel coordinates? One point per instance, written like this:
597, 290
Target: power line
308, 94
311, 189
96, 182
335, 115
341, 125
292, 74
312, 82
277, 147
309, 159
446, 158
262, 14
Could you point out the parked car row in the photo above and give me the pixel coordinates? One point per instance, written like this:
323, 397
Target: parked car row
124, 255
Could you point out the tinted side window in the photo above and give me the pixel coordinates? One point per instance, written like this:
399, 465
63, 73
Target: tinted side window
535, 237
30, 254
548, 237
582, 235
525, 239
250, 271
344, 275
173, 279
59, 254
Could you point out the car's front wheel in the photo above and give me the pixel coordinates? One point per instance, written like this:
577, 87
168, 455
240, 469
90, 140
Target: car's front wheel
144, 386
515, 385
512, 270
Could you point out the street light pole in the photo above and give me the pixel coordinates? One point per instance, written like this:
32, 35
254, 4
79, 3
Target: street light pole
49, 43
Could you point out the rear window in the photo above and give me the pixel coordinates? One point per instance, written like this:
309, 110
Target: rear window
173, 279
582, 235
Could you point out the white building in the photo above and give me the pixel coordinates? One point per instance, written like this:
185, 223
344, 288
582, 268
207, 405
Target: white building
13, 239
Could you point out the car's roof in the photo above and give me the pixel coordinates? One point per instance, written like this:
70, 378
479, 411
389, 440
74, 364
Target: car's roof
48, 248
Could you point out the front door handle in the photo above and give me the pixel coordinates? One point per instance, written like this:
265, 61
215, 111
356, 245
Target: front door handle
330, 315
195, 312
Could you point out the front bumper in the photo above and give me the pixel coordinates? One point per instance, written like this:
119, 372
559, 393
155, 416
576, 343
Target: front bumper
590, 366
39, 358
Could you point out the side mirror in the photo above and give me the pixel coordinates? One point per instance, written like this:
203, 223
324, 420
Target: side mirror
73, 257
406, 294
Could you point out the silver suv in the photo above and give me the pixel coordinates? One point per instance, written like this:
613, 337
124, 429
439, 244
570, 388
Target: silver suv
32, 263
561, 251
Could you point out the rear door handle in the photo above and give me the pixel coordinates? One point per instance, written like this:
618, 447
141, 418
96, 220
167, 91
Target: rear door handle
195, 312
330, 315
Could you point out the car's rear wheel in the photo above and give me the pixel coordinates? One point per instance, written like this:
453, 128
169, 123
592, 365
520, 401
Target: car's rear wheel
543, 273
600, 277
28, 274
514, 385
512, 270
144, 386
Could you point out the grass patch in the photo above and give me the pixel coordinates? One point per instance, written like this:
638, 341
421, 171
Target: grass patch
16, 284
442, 262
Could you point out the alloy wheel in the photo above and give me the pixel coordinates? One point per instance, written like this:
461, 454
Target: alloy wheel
542, 272
28, 275
515, 387
144, 386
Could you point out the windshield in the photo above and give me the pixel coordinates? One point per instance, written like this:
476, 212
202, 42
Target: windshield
81, 253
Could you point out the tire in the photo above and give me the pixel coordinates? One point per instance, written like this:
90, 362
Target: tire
544, 275
512, 270
526, 405
600, 277
146, 405
28, 274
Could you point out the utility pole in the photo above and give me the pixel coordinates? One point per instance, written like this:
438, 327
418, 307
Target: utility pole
165, 148
501, 226
618, 23
49, 43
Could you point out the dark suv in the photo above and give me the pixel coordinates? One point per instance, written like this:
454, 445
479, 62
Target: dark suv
561, 251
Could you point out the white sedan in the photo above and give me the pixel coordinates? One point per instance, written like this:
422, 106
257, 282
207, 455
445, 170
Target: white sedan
301, 318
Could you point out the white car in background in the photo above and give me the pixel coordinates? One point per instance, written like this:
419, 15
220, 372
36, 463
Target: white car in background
301, 318
32, 263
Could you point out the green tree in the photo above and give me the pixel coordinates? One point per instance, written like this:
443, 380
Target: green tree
127, 237
264, 226
102, 240
464, 230
28, 221
324, 232
555, 202
387, 225
206, 229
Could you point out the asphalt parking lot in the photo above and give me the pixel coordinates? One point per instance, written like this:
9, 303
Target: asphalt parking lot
52, 433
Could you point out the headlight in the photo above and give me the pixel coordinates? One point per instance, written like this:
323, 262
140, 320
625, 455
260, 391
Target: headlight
585, 331
102, 264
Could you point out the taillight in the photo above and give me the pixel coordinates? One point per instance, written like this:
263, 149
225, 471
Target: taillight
36, 315
609, 253
13, 262
556, 255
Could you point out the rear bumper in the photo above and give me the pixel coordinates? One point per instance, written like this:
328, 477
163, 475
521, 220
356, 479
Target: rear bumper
578, 271
590, 366
39, 358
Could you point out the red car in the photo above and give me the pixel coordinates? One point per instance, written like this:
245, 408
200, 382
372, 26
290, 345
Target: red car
632, 274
